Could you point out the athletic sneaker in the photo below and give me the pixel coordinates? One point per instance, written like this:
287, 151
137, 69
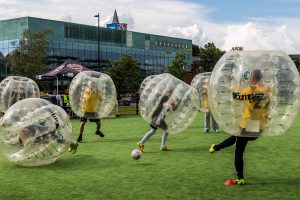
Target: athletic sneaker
206, 131
73, 147
240, 181
79, 139
216, 131
165, 149
99, 133
141, 147
211, 149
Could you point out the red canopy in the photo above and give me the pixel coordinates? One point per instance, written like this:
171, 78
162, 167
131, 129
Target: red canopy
68, 69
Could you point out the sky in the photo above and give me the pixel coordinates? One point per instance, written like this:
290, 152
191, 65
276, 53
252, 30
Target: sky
252, 24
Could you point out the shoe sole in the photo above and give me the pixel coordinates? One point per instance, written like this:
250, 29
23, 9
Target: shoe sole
101, 135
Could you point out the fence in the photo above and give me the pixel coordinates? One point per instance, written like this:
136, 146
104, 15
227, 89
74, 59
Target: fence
127, 104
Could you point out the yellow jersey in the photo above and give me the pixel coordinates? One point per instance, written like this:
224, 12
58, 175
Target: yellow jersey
205, 97
257, 105
90, 98
205, 101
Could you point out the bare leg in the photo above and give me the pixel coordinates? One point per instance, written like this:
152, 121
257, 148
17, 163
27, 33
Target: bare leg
82, 124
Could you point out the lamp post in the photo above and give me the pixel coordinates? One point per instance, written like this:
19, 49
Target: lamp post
98, 39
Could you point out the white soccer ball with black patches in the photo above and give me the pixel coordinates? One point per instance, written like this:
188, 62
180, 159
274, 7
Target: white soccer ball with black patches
136, 154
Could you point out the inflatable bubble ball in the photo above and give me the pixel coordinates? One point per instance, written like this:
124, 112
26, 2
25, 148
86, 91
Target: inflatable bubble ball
115, 111
34, 132
254, 93
201, 83
168, 103
16, 88
92, 95
145, 81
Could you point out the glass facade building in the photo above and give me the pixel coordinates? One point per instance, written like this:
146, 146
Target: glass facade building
80, 42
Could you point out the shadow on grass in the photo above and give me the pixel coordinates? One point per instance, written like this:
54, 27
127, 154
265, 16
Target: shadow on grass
104, 140
78, 162
141, 164
275, 181
199, 128
200, 149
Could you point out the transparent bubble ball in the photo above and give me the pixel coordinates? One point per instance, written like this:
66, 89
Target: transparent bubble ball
115, 111
16, 88
92, 95
254, 93
34, 132
144, 82
169, 103
201, 82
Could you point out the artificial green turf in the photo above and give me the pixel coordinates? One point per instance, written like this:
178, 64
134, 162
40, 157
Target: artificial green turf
103, 168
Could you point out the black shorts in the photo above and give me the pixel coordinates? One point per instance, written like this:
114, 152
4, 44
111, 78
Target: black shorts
162, 124
82, 119
154, 127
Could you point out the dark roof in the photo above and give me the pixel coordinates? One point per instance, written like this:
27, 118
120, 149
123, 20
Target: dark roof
65, 69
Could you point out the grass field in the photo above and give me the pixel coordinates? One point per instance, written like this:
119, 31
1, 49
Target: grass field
103, 168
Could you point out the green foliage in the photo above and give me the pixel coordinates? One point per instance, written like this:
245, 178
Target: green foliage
102, 168
178, 66
195, 50
29, 58
125, 73
209, 56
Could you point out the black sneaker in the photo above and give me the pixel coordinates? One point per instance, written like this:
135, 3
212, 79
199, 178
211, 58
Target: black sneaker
99, 133
79, 139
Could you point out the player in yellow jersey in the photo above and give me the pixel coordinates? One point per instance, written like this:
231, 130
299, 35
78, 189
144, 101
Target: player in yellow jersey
208, 114
254, 119
91, 97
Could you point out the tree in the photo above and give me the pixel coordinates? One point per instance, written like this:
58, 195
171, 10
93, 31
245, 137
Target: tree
209, 56
125, 73
237, 48
178, 66
30, 57
195, 50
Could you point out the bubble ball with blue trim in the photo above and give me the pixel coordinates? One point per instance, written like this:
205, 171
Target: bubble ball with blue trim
254, 93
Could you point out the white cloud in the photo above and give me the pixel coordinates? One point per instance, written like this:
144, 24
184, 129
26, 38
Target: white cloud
255, 36
65, 18
175, 18
194, 32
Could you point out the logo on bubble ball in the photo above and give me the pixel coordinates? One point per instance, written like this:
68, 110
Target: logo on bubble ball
247, 74
42, 122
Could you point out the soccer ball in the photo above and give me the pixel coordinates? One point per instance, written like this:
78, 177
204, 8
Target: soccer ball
136, 154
